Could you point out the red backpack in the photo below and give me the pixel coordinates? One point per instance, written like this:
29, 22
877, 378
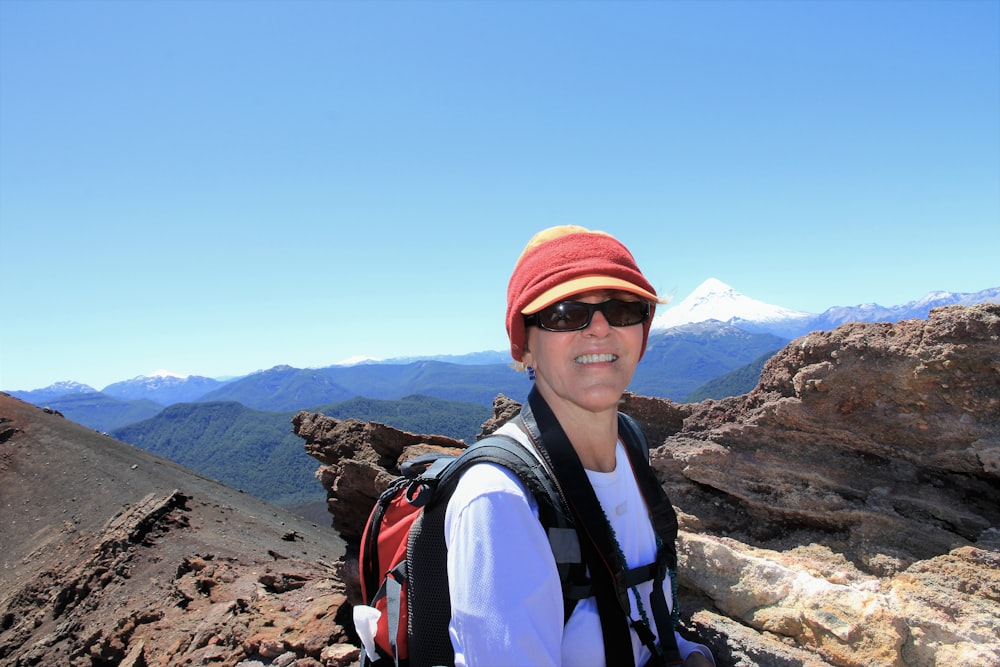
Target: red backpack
393, 531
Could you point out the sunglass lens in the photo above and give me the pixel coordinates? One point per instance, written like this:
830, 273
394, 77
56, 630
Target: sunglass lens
625, 313
564, 316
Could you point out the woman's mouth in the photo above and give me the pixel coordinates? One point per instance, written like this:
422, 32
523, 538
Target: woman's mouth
595, 358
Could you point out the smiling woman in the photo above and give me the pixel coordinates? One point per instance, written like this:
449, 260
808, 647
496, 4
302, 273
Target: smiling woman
578, 316
582, 372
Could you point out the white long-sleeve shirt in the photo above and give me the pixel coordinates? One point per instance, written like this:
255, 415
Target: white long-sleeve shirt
506, 597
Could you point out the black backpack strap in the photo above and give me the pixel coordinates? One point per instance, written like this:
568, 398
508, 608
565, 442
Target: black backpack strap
429, 642
597, 545
612, 580
661, 510
664, 520
508, 452
553, 511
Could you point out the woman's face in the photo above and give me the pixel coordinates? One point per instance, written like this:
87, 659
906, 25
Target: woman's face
587, 369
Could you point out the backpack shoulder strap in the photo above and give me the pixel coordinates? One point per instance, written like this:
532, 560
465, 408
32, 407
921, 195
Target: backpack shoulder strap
664, 520
608, 574
553, 510
597, 545
429, 643
513, 455
661, 510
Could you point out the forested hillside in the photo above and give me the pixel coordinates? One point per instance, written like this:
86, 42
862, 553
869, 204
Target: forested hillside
255, 451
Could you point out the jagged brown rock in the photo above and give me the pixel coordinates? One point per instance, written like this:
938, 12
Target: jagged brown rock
844, 512
360, 459
882, 439
113, 556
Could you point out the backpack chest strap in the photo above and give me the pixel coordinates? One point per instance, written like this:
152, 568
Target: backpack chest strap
610, 577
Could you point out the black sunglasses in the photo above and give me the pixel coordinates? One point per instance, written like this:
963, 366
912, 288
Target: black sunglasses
576, 315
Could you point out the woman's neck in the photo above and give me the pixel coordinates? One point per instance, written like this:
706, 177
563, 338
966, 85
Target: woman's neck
594, 436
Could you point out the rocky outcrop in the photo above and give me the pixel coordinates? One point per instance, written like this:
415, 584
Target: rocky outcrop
113, 556
844, 512
360, 459
865, 463
886, 436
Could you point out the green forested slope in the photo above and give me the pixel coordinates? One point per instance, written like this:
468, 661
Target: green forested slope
256, 451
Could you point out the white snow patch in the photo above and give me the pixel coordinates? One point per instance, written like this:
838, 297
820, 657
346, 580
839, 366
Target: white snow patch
355, 360
715, 300
166, 374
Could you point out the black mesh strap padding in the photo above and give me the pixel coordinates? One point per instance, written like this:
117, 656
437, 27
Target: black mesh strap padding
428, 583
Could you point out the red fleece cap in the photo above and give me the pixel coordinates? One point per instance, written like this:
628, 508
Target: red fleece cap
562, 261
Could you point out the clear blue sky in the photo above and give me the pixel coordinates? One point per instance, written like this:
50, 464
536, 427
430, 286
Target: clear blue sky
213, 188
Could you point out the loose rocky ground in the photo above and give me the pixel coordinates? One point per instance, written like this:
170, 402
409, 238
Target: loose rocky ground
112, 556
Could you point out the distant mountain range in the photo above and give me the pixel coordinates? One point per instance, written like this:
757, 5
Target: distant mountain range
163, 388
713, 331
711, 345
677, 362
715, 300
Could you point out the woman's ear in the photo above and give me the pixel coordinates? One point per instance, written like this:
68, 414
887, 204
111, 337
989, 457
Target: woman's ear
526, 357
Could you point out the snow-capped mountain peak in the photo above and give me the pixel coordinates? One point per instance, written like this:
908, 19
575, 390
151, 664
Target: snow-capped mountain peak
70, 387
163, 387
158, 379
64, 388
357, 359
715, 300
162, 374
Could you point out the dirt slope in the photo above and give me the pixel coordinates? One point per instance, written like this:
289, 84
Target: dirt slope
112, 555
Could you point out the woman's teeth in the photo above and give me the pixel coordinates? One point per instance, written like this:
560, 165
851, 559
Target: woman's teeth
595, 358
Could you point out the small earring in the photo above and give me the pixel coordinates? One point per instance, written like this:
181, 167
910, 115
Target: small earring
531, 373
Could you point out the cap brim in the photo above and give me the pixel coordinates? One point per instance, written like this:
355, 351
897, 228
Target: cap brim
585, 284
